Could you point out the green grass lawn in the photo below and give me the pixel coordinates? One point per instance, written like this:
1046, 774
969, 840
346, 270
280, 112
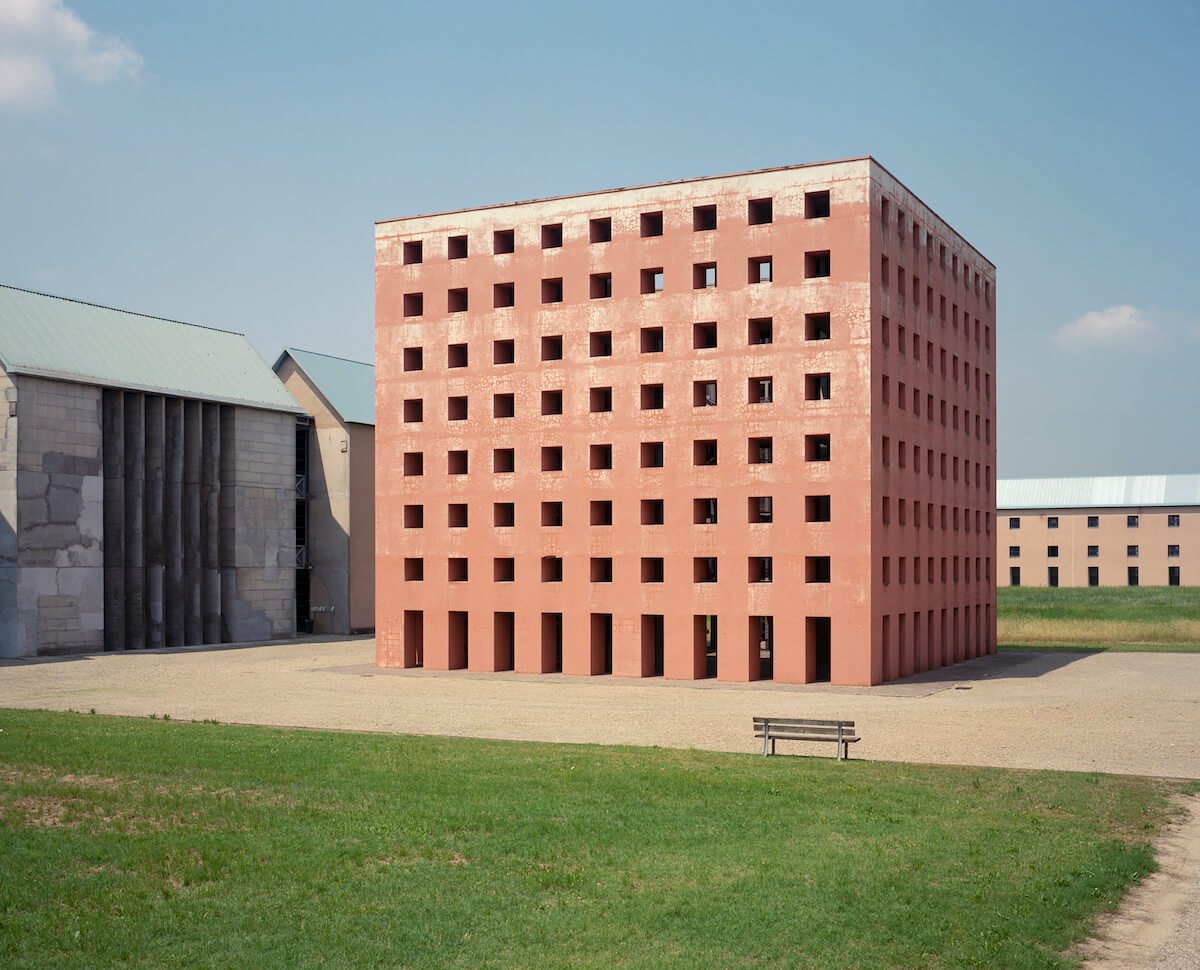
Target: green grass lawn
1157, 618
143, 843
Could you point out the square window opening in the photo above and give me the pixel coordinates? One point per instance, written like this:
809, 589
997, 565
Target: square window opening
552, 569
552, 348
761, 451
456, 463
504, 294
600, 512
704, 569
457, 570
652, 397
652, 454
504, 569
652, 340
414, 358
817, 569
652, 280
816, 447
704, 276
456, 409
759, 269
704, 394
413, 252
552, 290
816, 326
456, 355
816, 387
816, 205
816, 508
651, 224
456, 300
456, 515
601, 569
552, 458
552, 402
652, 570
760, 331
600, 344
704, 336
704, 452
414, 463
504, 515
456, 247
552, 236
760, 212
600, 399
600, 457
761, 508
504, 241
504, 351
414, 570
414, 410
760, 390
504, 405
600, 286
652, 511
414, 304
704, 218
414, 516
600, 230
759, 569
704, 511
552, 513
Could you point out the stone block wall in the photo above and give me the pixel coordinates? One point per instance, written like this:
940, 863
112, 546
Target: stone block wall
58, 525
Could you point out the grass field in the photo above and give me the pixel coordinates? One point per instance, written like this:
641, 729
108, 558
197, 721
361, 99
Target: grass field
1105, 618
143, 843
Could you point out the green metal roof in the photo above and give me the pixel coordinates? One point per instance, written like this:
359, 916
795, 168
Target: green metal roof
348, 385
66, 340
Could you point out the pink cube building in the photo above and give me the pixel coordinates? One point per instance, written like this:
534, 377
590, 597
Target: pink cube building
740, 427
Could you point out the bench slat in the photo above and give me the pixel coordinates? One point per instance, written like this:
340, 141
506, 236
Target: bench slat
801, 720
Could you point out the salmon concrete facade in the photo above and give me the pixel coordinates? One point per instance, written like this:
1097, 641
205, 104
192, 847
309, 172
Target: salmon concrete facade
1117, 531
740, 427
335, 492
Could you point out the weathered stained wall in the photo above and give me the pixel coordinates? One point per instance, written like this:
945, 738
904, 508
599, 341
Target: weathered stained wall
257, 530
59, 523
8, 517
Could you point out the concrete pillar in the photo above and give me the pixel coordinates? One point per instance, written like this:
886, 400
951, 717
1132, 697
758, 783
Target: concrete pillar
210, 498
113, 455
227, 520
193, 627
152, 521
173, 446
135, 470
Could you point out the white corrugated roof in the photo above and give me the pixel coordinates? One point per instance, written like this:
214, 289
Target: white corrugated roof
1108, 492
63, 339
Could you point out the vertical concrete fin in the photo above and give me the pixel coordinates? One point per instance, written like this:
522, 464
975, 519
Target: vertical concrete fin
135, 470
210, 499
113, 450
173, 449
152, 520
193, 625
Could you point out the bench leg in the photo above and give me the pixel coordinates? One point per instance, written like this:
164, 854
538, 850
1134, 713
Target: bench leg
766, 735
840, 744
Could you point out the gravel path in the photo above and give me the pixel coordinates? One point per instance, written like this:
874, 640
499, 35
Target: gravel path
1125, 713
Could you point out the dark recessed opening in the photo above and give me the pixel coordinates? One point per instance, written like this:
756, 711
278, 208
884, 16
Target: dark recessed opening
552, 402
816, 387
414, 410
760, 212
456, 247
704, 394
600, 286
704, 452
414, 358
704, 336
652, 223
414, 463
552, 236
652, 454
504, 351
456, 463
552, 458
457, 570
760, 390
552, 513
816, 265
414, 252
599, 457
504, 514
504, 569
652, 280
760, 331
652, 570
704, 511
504, 405
704, 569
504, 294
414, 304
704, 218
414, 570
600, 399
504, 460
552, 290
816, 569
816, 326
456, 355
600, 344
456, 300
504, 241
760, 451
414, 516
816, 205
456, 409
600, 512
652, 397
600, 230
816, 447
816, 508
552, 348
552, 570
456, 515
704, 276
761, 508
652, 340
759, 569
759, 269
652, 511
601, 569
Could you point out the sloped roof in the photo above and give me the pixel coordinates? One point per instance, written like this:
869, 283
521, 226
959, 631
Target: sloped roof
348, 385
68, 340
1110, 492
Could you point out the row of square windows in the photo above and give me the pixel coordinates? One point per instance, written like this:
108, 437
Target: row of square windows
651, 340
1131, 576
759, 509
981, 423
902, 344
759, 390
760, 569
1131, 552
983, 474
978, 566
759, 451
1093, 521
902, 289
759, 212
982, 519
760, 269
902, 233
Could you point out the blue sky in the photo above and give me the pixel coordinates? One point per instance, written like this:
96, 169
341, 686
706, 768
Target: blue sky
224, 163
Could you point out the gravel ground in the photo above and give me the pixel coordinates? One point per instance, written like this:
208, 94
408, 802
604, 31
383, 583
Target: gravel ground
1125, 713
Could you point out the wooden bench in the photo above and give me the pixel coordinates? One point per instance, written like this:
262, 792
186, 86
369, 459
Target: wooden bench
772, 729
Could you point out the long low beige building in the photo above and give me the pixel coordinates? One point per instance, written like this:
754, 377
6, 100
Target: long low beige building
1135, 530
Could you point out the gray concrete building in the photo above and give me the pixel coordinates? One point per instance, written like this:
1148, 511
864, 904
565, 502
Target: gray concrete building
335, 505
147, 482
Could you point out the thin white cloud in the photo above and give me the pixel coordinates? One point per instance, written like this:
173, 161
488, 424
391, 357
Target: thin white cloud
1117, 327
41, 40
